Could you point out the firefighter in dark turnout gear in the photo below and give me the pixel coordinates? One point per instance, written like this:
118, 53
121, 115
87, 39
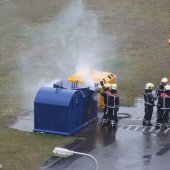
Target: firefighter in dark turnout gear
149, 104
112, 106
161, 87
106, 88
164, 105
159, 90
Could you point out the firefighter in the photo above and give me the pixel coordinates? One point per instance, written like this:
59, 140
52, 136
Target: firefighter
161, 87
164, 105
106, 89
159, 90
149, 104
112, 106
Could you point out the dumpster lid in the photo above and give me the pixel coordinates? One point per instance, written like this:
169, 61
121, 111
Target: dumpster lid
49, 95
85, 76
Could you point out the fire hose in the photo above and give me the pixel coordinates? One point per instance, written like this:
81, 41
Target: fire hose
100, 109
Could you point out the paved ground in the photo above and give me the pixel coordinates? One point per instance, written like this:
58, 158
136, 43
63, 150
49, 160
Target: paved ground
130, 146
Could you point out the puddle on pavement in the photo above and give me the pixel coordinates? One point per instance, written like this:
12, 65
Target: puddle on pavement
26, 123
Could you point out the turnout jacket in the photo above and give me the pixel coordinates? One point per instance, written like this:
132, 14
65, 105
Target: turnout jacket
148, 98
159, 90
111, 99
164, 101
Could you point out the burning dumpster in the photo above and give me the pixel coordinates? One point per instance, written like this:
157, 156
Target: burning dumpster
94, 77
68, 106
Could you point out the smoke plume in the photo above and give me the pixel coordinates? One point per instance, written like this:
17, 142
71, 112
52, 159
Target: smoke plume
71, 42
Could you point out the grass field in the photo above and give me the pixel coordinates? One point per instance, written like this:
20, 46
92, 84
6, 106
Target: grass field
138, 53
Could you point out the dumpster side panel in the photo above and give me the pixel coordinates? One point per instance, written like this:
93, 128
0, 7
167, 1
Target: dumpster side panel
90, 108
76, 113
58, 112
48, 117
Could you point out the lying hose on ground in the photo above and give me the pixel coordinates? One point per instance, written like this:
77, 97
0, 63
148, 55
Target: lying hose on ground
100, 109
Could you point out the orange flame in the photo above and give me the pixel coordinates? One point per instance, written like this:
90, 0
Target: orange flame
169, 41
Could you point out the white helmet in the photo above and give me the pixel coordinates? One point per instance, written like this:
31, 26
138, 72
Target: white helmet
164, 80
149, 86
107, 85
114, 86
167, 87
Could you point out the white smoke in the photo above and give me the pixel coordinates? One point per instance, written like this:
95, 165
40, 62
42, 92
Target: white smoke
71, 42
76, 34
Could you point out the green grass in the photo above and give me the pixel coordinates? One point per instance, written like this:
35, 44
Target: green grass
142, 31
23, 150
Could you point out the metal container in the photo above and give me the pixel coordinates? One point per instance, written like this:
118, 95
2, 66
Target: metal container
58, 112
63, 109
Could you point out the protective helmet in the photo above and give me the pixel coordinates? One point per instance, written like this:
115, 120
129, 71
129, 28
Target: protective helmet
164, 80
107, 85
167, 87
114, 86
149, 86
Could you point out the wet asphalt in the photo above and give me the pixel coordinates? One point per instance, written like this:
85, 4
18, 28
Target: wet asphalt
130, 146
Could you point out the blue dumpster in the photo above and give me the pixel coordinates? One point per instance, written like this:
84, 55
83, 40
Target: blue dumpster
89, 106
58, 112
64, 109
89, 98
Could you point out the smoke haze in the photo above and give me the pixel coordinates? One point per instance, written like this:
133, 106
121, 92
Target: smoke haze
71, 42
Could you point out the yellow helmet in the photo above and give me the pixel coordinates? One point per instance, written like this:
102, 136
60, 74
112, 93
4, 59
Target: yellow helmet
149, 86
114, 86
167, 87
164, 80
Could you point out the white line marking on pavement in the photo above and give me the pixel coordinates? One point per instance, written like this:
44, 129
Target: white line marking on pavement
166, 130
128, 127
136, 128
121, 126
144, 128
158, 130
151, 129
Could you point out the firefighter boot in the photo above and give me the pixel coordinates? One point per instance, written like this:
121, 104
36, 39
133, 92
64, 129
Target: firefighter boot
158, 126
149, 124
165, 125
144, 122
112, 123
